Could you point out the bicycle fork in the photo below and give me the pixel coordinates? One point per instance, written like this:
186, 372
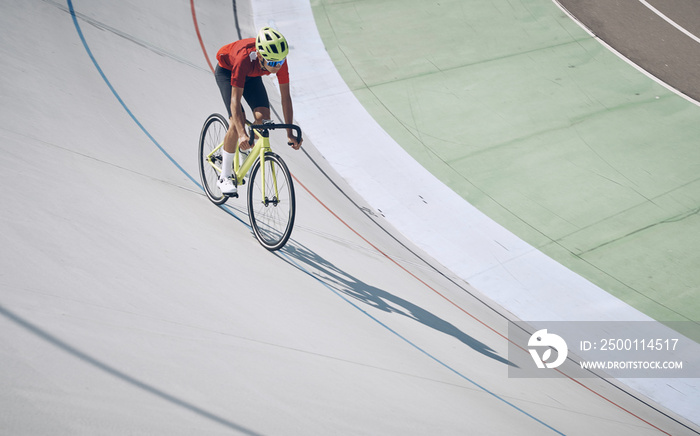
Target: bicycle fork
264, 175
275, 198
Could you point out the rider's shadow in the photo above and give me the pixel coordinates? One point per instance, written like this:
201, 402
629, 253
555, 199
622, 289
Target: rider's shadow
380, 299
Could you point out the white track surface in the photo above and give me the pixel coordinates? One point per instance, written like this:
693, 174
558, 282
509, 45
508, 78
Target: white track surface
129, 304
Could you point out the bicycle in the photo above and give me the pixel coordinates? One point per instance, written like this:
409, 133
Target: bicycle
270, 192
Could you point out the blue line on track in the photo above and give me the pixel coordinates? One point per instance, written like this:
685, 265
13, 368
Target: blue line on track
400, 336
174, 162
131, 114
126, 108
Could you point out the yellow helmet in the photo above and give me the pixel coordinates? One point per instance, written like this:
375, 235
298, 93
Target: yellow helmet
271, 45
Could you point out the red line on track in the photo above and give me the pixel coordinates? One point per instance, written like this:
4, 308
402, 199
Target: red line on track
199, 35
206, 56
465, 311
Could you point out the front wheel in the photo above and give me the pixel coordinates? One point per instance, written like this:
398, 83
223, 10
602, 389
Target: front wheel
271, 202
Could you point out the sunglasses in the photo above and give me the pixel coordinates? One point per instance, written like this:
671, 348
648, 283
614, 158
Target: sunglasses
274, 64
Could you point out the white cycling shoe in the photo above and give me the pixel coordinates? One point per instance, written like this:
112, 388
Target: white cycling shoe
226, 186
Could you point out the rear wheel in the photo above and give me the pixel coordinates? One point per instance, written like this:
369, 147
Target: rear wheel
271, 202
213, 133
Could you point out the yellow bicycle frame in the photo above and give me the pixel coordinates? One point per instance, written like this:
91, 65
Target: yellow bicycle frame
262, 146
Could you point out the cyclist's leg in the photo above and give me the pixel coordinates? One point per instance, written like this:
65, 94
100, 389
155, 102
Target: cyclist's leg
223, 80
255, 95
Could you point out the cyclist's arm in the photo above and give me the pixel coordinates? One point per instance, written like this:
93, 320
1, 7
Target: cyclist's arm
288, 112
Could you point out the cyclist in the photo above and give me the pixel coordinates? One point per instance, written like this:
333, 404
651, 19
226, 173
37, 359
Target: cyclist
239, 74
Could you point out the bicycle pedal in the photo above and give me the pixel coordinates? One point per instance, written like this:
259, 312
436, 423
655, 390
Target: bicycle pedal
234, 195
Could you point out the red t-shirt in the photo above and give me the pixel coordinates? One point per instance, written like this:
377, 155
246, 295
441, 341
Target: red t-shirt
241, 58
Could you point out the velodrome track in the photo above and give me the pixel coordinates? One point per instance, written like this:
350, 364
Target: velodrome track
130, 304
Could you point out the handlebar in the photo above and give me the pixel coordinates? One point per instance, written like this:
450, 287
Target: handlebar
272, 126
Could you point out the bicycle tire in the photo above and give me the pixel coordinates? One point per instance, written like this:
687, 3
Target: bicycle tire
213, 133
271, 216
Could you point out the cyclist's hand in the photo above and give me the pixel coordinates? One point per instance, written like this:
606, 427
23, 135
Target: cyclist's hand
292, 141
243, 144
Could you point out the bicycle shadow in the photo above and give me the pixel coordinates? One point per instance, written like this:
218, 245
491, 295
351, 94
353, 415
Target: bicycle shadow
377, 298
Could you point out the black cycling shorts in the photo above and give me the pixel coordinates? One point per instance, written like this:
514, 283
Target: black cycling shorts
254, 91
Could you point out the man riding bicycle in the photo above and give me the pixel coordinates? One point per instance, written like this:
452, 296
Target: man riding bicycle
239, 74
